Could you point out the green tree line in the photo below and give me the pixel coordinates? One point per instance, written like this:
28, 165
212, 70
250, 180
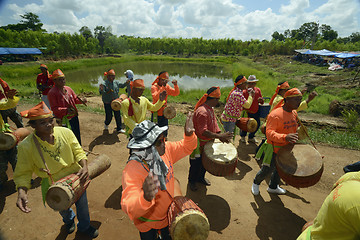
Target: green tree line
28, 33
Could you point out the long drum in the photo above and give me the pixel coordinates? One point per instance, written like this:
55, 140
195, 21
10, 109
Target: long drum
169, 112
8, 140
219, 159
247, 124
187, 221
66, 191
299, 165
116, 104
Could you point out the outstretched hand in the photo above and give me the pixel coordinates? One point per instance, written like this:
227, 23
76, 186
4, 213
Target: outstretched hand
22, 201
189, 124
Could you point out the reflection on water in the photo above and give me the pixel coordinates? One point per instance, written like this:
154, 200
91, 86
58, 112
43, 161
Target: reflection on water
189, 75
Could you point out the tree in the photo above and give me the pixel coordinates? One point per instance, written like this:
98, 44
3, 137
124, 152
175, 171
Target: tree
354, 37
101, 33
328, 33
278, 36
85, 32
32, 22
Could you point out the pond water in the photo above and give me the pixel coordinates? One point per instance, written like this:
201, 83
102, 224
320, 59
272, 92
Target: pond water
189, 75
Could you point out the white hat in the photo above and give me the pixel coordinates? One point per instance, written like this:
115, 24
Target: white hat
129, 74
252, 78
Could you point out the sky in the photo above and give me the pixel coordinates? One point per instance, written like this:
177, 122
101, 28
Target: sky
209, 19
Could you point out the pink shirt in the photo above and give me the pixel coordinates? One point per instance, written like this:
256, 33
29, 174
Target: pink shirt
59, 101
255, 104
233, 107
133, 202
204, 119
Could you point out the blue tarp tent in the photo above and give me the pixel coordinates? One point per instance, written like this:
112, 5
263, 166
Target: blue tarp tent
346, 55
19, 51
323, 52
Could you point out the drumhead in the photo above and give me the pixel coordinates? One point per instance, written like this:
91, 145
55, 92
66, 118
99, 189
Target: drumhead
299, 160
7, 141
116, 104
191, 224
251, 125
169, 112
59, 197
219, 152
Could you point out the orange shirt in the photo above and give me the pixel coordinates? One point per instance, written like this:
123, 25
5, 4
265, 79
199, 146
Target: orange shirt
156, 90
279, 124
134, 174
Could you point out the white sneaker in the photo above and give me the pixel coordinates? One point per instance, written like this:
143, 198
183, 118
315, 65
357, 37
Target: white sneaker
242, 139
278, 190
121, 131
252, 140
255, 189
106, 127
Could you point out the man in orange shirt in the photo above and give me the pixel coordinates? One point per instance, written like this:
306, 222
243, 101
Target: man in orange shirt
158, 86
148, 178
281, 130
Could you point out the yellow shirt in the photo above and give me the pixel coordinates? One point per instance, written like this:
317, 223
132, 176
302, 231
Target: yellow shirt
62, 157
339, 216
4, 105
139, 110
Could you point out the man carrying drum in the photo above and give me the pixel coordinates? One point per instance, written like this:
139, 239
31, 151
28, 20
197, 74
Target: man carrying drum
63, 102
148, 179
7, 156
158, 86
52, 153
134, 108
206, 129
110, 91
235, 103
281, 129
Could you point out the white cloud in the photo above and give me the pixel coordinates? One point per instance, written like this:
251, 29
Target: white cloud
295, 7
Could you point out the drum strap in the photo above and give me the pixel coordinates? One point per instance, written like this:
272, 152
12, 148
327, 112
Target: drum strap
37, 144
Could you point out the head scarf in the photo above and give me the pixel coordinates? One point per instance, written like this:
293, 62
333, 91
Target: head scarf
129, 74
110, 72
43, 66
294, 92
57, 73
284, 85
138, 83
215, 94
164, 75
38, 112
239, 80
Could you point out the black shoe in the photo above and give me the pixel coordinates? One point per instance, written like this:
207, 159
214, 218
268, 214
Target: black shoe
193, 187
70, 227
205, 181
91, 232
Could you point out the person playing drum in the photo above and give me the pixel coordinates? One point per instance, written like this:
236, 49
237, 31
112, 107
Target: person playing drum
148, 178
235, 103
52, 153
110, 91
134, 108
159, 85
206, 129
7, 156
280, 130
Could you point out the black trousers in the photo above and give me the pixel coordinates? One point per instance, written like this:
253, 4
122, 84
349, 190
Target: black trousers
265, 171
109, 114
196, 170
75, 127
153, 234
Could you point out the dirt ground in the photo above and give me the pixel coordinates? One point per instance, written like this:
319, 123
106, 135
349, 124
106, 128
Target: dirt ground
232, 210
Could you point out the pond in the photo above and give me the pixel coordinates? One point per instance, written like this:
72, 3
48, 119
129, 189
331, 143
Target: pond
189, 75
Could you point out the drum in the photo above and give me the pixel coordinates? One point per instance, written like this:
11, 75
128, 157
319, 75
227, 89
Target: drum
264, 110
8, 140
187, 220
219, 159
66, 191
247, 124
169, 112
299, 165
116, 104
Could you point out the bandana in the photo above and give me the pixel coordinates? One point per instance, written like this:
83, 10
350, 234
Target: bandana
43, 66
164, 75
57, 73
110, 72
294, 92
138, 83
237, 83
284, 85
38, 112
215, 94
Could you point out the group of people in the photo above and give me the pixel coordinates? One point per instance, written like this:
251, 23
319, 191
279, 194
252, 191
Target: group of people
148, 179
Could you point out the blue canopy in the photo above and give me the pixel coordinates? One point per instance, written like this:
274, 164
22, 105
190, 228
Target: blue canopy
346, 55
323, 52
4, 51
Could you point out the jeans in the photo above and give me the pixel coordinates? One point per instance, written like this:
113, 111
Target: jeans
196, 170
5, 157
13, 115
75, 127
82, 211
153, 234
256, 116
109, 114
229, 126
266, 170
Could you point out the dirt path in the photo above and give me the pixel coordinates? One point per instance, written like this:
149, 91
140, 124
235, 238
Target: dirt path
233, 212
